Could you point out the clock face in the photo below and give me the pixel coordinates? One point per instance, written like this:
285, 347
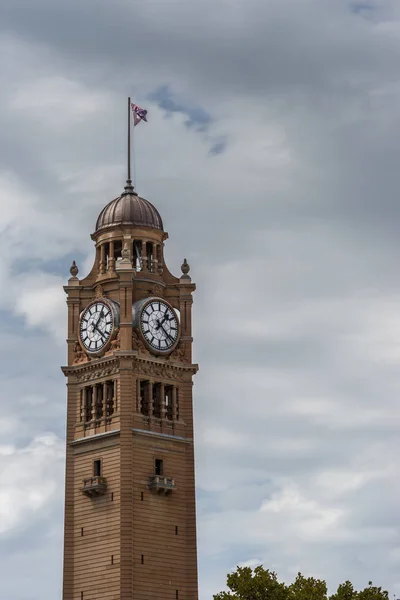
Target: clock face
96, 326
159, 325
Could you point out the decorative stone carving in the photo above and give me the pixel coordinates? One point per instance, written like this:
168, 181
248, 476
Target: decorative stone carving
115, 344
179, 354
126, 255
99, 291
74, 269
156, 290
151, 369
90, 374
79, 355
138, 344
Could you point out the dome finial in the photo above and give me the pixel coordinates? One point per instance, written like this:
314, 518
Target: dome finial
129, 189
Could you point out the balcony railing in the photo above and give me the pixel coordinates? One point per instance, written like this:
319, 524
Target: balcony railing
161, 484
94, 486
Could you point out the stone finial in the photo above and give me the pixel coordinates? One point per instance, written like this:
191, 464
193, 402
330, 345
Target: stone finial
185, 268
74, 269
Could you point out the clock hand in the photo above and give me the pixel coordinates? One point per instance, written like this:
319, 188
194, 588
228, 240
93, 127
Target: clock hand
166, 318
102, 334
167, 334
100, 316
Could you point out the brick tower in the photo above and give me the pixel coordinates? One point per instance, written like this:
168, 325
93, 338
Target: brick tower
130, 518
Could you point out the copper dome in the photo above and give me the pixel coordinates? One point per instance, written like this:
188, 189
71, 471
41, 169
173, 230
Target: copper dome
129, 209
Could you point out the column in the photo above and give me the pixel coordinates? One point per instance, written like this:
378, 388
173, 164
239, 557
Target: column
154, 261
116, 407
150, 402
94, 402
174, 404
144, 256
125, 274
102, 260
160, 259
105, 405
138, 406
162, 401
98, 258
111, 258
83, 404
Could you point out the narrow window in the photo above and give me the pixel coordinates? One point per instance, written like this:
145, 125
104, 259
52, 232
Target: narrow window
82, 406
144, 398
81, 595
168, 403
158, 466
138, 255
99, 402
157, 400
89, 404
81, 531
134, 255
117, 249
177, 404
141, 496
149, 252
106, 254
110, 398
176, 529
112, 559
176, 594
112, 496
96, 468
142, 559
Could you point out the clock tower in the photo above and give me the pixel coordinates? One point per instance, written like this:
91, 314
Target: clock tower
130, 516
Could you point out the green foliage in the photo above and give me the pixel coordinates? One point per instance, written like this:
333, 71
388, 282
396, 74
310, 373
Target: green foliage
262, 584
373, 593
345, 591
307, 589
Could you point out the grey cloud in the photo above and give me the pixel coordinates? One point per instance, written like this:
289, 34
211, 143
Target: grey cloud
303, 244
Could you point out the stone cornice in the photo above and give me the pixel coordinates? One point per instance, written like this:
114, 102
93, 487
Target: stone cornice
165, 436
81, 370
154, 368
95, 437
107, 366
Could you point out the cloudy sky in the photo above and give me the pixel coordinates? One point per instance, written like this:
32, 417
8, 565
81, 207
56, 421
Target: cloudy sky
273, 154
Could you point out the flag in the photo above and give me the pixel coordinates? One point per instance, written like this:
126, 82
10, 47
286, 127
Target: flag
139, 114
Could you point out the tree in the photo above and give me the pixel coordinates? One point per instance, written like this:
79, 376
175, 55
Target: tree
307, 589
262, 584
373, 593
345, 591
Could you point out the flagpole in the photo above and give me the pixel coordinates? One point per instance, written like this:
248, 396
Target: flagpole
129, 139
